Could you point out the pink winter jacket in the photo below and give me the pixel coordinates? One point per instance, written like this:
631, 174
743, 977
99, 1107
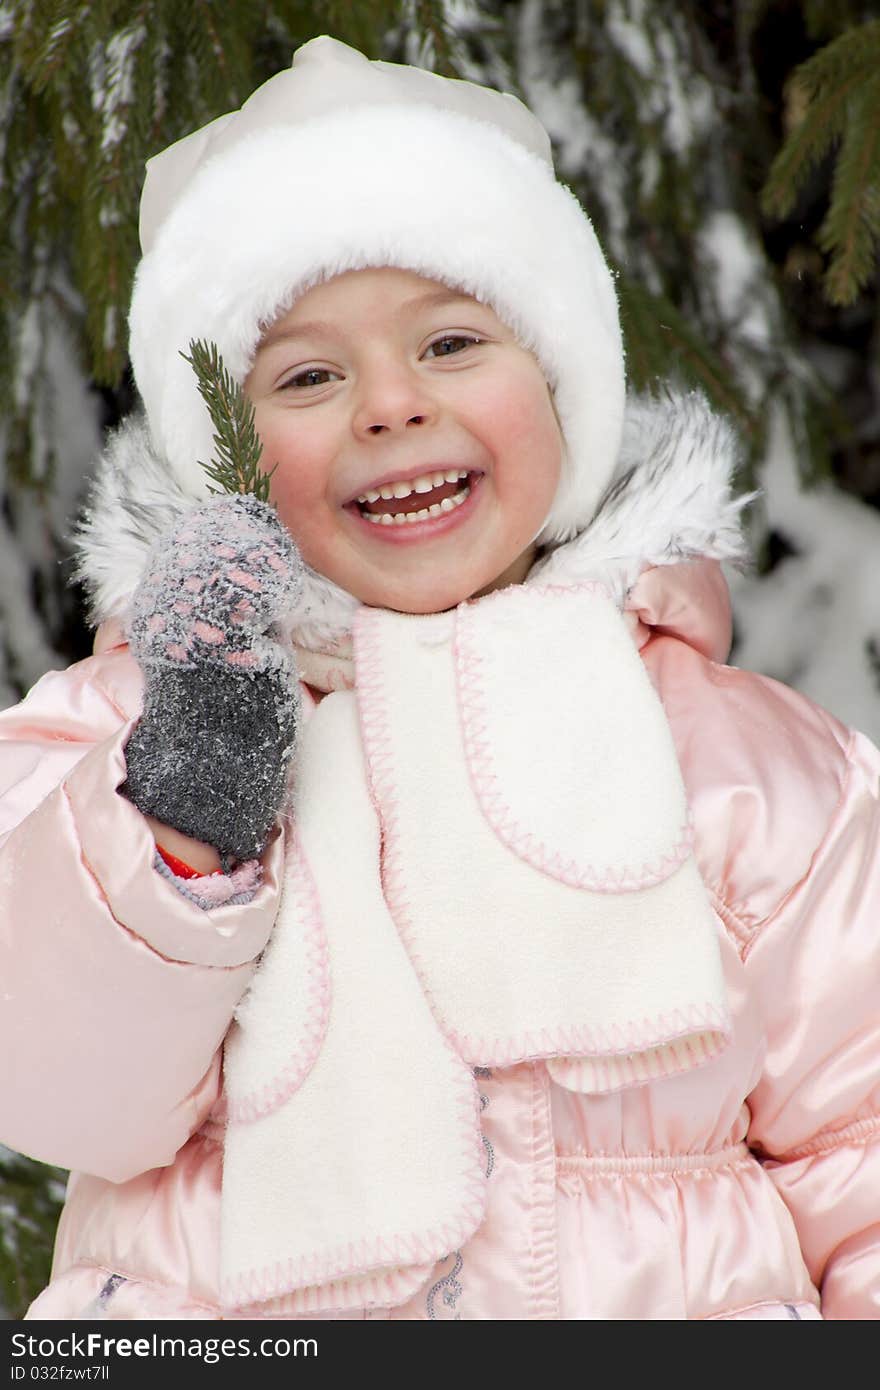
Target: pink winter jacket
747, 1188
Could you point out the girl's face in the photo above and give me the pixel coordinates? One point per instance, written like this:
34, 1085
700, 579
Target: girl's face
383, 396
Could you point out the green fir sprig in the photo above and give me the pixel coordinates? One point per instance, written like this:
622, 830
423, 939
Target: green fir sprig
837, 95
236, 466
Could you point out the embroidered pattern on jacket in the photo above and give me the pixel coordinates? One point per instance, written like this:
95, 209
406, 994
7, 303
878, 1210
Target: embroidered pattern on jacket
484, 1101
451, 1289
97, 1308
450, 1283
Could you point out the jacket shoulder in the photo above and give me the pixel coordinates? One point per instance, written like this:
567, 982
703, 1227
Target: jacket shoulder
765, 770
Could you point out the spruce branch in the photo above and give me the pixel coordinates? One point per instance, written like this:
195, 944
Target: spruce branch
840, 89
238, 447
807, 144
45, 52
851, 230
852, 52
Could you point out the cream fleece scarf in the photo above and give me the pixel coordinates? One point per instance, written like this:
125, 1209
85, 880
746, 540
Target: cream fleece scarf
491, 862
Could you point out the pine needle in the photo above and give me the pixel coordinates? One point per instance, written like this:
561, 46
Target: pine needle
238, 448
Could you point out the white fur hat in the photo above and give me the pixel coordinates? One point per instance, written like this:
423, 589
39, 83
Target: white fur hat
338, 164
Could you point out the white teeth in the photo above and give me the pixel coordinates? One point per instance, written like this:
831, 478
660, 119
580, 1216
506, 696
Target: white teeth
426, 482
407, 518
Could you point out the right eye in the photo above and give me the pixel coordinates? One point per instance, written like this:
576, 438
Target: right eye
309, 377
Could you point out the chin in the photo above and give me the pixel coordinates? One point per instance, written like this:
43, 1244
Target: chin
425, 606
436, 601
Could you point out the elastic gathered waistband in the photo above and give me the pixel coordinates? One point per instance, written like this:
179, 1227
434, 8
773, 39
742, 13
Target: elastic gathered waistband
616, 1165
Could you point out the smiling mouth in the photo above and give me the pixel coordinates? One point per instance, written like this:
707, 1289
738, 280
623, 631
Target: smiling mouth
419, 499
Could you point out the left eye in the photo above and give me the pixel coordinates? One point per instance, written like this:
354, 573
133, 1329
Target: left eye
452, 343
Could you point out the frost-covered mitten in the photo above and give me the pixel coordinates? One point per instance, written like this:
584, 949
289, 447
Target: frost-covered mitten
211, 751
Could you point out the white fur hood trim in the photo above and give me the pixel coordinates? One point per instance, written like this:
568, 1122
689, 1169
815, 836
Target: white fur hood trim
670, 500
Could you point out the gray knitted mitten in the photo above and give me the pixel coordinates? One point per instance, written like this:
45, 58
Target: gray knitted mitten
211, 751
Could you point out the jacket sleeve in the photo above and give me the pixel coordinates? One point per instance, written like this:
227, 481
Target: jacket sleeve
815, 965
115, 991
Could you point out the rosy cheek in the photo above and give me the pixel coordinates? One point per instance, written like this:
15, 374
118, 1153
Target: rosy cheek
522, 422
297, 464
530, 411
292, 494
299, 491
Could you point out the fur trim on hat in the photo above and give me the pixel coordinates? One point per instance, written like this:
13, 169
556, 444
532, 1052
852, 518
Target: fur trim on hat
448, 197
670, 500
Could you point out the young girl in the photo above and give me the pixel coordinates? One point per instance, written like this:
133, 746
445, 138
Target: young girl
408, 915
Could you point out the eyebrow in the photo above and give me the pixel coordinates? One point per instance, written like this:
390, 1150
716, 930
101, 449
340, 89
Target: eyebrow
431, 299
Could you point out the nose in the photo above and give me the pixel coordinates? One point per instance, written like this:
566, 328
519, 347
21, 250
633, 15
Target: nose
391, 399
